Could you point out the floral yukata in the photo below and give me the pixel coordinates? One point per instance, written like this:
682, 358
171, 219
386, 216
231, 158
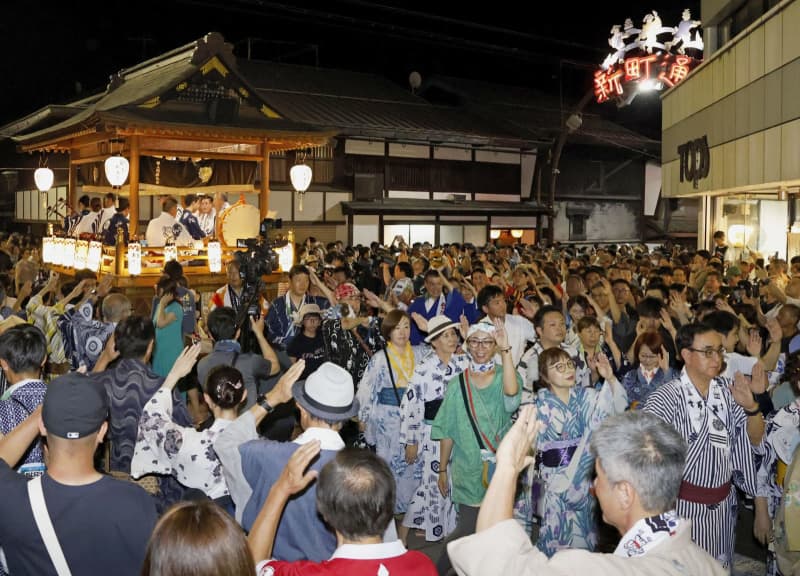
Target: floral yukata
781, 439
569, 517
164, 447
428, 510
379, 400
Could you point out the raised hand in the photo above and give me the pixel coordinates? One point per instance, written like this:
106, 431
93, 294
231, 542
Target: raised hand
183, 365
663, 360
284, 386
500, 334
754, 343
420, 321
257, 324
371, 299
604, 366
740, 389
515, 449
294, 478
759, 381
105, 285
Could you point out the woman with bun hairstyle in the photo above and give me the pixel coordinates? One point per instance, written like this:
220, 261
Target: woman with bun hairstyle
164, 447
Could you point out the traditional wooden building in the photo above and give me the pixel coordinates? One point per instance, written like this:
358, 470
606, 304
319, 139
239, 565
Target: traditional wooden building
451, 162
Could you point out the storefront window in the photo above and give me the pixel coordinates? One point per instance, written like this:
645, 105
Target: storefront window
410, 232
752, 224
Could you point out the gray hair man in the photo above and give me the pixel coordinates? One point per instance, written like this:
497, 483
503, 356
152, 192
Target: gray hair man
639, 463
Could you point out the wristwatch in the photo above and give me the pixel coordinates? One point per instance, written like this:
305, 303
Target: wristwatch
261, 400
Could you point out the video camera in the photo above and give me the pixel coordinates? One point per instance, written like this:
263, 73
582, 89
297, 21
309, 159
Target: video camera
259, 258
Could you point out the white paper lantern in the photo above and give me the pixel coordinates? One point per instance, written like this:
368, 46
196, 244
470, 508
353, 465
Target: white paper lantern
95, 255
58, 251
170, 253
286, 256
300, 174
46, 249
134, 258
214, 256
69, 253
81, 254
116, 170
43, 178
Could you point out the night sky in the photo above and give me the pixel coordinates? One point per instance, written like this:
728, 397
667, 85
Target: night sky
57, 52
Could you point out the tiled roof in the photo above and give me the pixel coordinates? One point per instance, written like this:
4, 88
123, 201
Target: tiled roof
363, 104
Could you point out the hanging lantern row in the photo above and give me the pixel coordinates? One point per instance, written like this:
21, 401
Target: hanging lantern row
72, 253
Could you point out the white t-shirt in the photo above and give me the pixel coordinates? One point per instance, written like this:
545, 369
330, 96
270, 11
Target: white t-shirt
736, 362
156, 235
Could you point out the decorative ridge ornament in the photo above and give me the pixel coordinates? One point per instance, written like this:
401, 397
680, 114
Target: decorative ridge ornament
651, 58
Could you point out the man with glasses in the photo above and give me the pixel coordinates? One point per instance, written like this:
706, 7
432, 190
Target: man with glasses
721, 423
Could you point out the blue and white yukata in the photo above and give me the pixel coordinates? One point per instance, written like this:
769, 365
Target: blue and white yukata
428, 510
781, 439
715, 428
379, 411
569, 517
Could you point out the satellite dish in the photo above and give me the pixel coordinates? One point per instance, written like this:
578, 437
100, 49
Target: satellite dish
414, 80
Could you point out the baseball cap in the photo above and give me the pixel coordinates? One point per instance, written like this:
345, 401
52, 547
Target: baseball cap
75, 406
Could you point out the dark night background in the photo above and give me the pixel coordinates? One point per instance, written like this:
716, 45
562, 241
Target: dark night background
58, 52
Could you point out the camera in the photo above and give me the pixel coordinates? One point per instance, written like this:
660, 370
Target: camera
260, 257
745, 288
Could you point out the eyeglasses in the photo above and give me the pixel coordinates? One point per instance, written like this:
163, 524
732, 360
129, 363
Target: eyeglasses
709, 352
562, 367
648, 356
480, 343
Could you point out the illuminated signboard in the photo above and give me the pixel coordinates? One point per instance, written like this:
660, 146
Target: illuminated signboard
652, 57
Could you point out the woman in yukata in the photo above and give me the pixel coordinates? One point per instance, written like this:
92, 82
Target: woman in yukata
651, 369
781, 441
429, 510
569, 414
164, 447
379, 397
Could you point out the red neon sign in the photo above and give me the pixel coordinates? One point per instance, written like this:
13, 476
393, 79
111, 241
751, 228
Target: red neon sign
625, 79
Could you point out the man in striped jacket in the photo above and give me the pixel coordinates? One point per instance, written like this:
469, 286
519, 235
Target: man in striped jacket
722, 425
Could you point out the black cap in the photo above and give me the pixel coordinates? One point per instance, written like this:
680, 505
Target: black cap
75, 406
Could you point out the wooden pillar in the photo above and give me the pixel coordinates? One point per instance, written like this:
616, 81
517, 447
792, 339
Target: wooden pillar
72, 187
133, 183
263, 202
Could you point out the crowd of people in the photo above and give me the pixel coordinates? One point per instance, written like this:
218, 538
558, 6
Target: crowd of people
487, 397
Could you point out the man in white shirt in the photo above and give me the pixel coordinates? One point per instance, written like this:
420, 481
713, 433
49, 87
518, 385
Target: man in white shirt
108, 211
206, 215
492, 303
90, 221
727, 325
167, 226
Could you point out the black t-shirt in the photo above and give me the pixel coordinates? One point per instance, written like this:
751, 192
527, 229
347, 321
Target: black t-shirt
312, 350
102, 527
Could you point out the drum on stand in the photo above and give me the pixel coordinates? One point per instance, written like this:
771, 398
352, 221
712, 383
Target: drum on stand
239, 222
